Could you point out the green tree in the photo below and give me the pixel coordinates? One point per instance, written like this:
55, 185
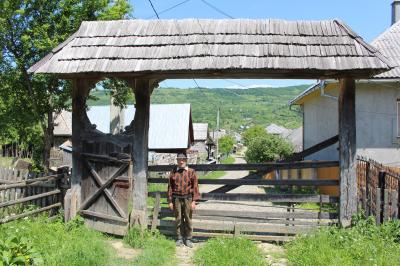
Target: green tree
268, 148
30, 29
226, 144
253, 133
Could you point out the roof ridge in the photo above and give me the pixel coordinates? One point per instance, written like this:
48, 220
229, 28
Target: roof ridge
367, 46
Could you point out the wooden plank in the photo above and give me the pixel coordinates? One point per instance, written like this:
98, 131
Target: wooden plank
270, 238
249, 167
276, 198
386, 213
394, 207
256, 215
378, 206
103, 158
157, 207
30, 213
243, 227
103, 216
100, 190
260, 182
142, 90
108, 194
30, 182
347, 151
313, 149
30, 198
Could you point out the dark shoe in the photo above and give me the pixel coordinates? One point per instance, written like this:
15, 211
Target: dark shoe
188, 243
179, 242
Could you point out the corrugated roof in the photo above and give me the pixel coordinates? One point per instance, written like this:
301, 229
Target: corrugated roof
200, 131
170, 124
388, 44
63, 123
263, 48
277, 130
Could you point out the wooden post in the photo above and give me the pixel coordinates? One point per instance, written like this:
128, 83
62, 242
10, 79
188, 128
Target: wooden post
142, 90
347, 151
80, 123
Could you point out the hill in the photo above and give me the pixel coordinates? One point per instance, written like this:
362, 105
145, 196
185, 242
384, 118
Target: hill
260, 106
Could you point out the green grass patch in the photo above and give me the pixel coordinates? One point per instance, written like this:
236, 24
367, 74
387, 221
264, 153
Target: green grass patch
218, 174
52, 243
364, 244
157, 249
6, 161
229, 252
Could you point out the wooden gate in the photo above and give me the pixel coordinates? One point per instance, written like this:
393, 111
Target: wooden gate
106, 183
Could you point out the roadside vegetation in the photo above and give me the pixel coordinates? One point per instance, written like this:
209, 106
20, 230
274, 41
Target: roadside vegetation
156, 248
229, 252
364, 244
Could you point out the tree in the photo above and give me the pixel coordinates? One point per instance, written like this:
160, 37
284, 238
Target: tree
268, 148
253, 133
226, 144
30, 29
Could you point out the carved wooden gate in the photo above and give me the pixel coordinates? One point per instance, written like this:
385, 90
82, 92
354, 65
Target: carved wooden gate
106, 183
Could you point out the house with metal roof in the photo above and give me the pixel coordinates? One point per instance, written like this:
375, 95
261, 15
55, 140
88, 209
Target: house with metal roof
200, 132
170, 130
377, 107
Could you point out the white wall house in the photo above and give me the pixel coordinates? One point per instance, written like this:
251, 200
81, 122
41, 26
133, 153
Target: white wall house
377, 108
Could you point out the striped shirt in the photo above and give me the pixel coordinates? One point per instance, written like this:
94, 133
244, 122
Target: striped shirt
183, 182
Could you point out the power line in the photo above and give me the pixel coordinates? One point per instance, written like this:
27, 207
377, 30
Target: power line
154, 9
170, 8
217, 9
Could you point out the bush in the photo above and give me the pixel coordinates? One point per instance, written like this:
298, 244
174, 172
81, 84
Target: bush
229, 252
253, 133
157, 250
56, 243
268, 148
364, 244
226, 144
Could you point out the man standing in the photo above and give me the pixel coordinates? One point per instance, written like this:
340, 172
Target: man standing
183, 191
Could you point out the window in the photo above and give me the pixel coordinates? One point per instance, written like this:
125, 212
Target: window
398, 118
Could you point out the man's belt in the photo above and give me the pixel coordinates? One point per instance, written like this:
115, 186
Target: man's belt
187, 196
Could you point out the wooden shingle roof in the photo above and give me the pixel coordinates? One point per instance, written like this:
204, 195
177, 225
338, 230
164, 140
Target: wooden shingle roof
184, 48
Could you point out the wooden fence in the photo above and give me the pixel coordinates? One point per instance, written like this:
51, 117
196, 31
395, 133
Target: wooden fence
378, 190
283, 215
25, 194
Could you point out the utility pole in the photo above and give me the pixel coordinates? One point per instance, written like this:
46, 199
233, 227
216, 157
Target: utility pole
217, 153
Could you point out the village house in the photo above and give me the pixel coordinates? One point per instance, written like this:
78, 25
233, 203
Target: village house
377, 107
201, 134
164, 140
294, 136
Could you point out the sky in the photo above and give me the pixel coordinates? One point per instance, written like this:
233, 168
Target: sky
368, 18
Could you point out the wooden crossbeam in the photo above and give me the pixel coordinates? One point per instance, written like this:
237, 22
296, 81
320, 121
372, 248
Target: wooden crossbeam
108, 194
92, 198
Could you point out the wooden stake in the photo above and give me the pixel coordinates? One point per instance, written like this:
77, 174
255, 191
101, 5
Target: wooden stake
347, 151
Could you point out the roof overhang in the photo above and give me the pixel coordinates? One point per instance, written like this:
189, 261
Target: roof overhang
194, 48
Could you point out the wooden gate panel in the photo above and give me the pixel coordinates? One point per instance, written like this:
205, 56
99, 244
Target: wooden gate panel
106, 185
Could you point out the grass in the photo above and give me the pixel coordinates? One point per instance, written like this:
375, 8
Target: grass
218, 174
229, 252
57, 243
157, 249
6, 161
364, 244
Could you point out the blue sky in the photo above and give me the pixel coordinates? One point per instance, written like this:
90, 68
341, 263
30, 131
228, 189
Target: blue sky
368, 18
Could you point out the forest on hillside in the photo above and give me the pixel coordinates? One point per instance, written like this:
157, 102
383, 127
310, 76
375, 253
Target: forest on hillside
255, 106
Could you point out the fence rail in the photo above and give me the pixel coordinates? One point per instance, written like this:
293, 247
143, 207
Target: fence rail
378, 190
288, 207
23, 194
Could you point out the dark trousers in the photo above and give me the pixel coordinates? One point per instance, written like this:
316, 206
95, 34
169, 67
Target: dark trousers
183, 217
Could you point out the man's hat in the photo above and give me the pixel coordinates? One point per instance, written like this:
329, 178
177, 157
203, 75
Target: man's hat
181, 156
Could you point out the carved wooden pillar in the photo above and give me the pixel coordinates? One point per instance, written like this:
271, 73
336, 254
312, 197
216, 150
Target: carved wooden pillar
347, 151
80, 123
142, 89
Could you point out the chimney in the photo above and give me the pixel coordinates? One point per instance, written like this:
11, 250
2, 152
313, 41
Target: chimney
395, 11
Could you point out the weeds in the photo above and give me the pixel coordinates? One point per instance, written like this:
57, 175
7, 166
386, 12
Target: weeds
229, 252
363, 244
